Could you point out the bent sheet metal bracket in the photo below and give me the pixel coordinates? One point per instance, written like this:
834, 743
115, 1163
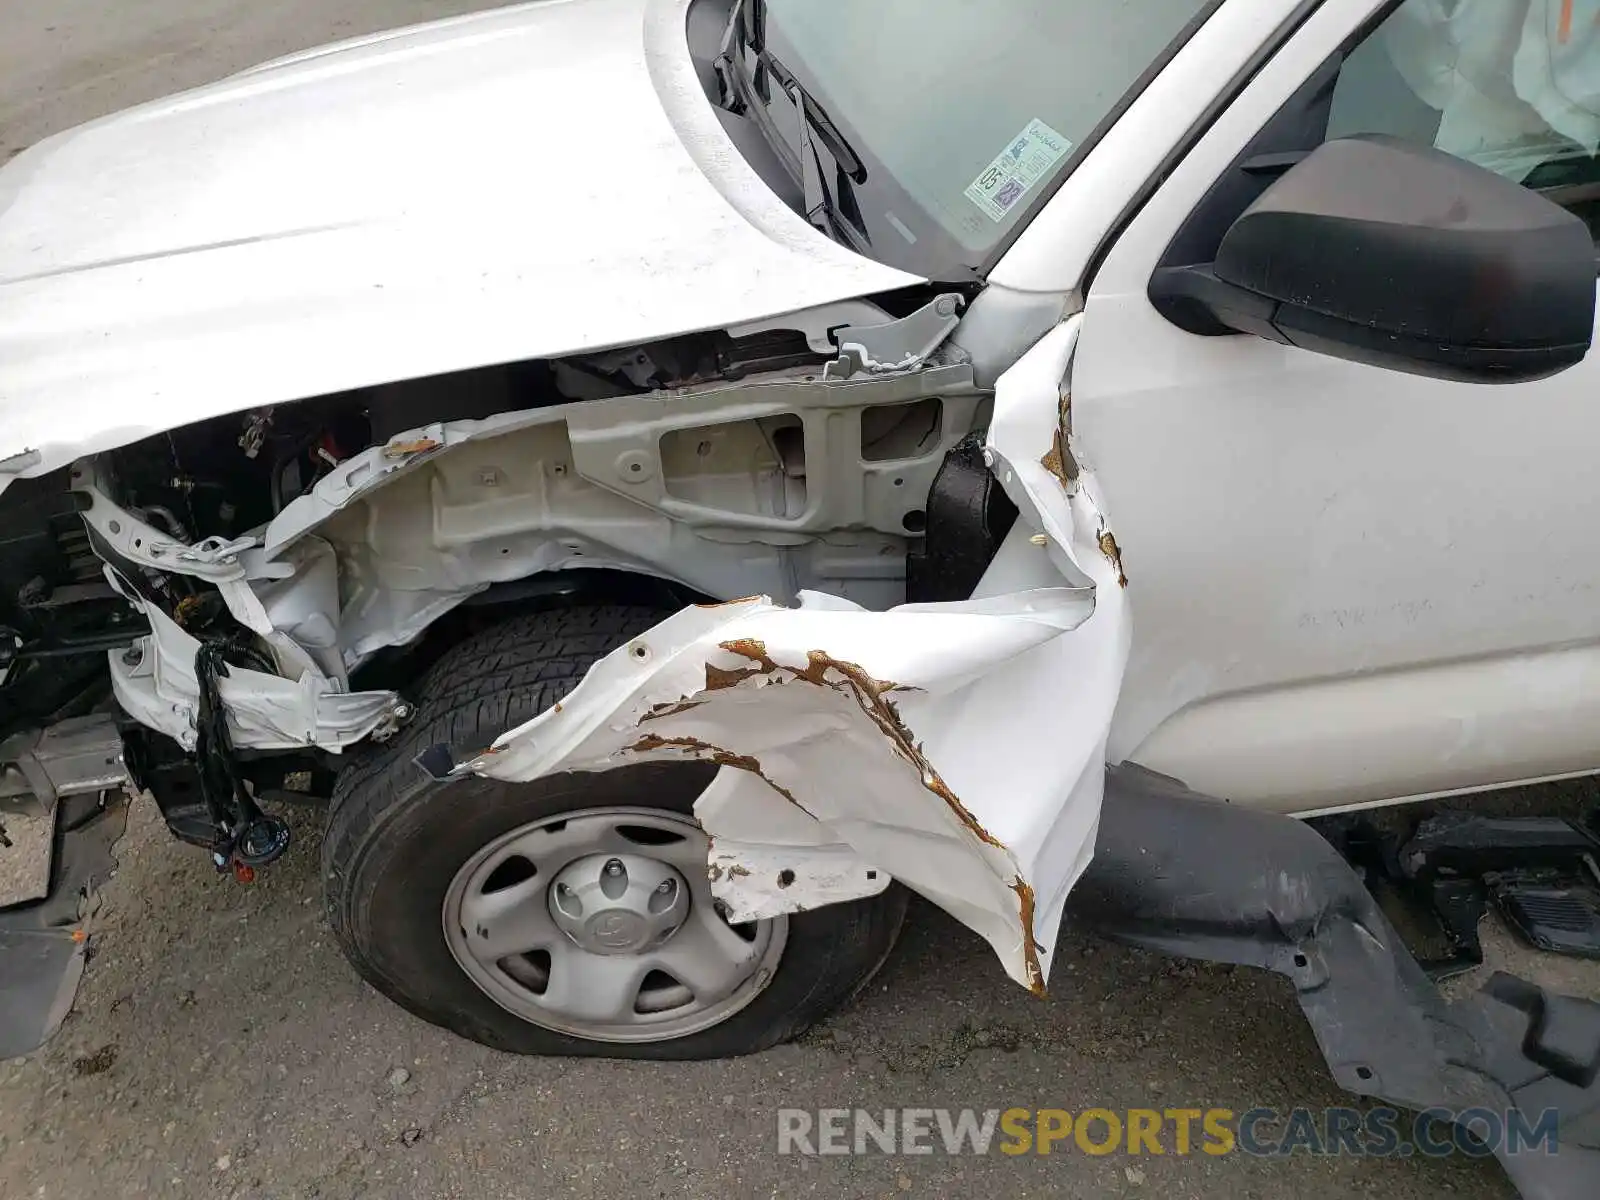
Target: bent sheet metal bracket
960, 747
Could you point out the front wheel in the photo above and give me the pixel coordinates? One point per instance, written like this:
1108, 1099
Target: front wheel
571, 914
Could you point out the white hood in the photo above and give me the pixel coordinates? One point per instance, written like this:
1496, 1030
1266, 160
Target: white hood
527, 182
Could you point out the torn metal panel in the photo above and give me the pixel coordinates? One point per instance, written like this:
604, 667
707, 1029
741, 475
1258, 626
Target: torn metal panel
770, 701
154, 681
699, 490
758, 881
958, 746
291, 604
769, 858
304, 604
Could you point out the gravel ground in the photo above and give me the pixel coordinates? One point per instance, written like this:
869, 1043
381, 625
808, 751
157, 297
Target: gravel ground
220, 1045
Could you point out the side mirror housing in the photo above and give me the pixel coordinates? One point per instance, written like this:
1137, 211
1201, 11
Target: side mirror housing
1381, 252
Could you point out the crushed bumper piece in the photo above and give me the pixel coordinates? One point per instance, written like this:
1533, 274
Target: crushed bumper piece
43, 944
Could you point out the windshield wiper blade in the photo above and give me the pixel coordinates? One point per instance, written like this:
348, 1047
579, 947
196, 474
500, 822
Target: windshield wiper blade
746, 30
819, 205
814, 116
734, 38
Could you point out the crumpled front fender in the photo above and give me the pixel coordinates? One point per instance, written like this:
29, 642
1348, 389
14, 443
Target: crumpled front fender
958, 747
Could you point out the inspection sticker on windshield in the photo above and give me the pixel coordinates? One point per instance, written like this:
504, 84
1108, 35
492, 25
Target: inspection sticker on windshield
1031, 156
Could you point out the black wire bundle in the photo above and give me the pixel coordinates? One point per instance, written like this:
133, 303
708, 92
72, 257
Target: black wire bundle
231, 807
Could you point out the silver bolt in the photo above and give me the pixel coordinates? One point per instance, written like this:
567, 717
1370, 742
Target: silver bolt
614, 867
666, 886
946, 306
132, 656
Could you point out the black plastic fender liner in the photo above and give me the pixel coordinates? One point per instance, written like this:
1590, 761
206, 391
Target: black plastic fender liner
43, 948
1191, 876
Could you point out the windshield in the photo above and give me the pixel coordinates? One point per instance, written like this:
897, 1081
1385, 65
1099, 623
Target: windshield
960, 113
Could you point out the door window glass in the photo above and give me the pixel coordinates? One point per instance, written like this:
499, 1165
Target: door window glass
1512, 85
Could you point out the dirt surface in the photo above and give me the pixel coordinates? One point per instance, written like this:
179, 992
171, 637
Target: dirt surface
221, 1047
24, 856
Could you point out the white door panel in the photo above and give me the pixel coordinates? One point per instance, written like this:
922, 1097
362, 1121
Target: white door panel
1421, 731
1347, 584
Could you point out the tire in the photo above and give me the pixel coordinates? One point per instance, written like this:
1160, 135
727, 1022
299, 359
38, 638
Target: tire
396, 839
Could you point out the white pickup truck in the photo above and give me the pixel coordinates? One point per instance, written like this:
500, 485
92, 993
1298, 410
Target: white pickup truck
675, 476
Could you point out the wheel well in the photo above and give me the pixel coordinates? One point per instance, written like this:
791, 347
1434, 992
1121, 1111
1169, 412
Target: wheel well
396, 668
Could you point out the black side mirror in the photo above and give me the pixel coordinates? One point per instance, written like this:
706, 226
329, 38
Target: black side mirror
1381, 252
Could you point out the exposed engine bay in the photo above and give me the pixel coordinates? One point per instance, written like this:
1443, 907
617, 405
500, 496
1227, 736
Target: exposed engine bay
248, 598
857, 558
